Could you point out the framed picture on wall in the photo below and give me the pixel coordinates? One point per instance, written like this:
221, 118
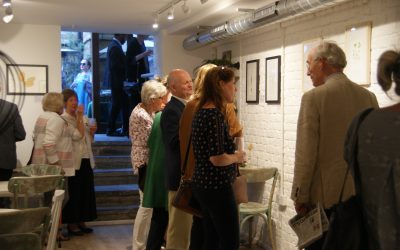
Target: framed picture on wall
273, 79
307, 46
358, 55
27, 79
252, 81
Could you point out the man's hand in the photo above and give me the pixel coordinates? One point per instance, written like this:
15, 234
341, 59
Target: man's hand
301, 208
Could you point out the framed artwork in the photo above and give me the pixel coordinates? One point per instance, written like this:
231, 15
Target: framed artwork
252, 81
227, 55
26, 79
307, 46
358, 55
273, 79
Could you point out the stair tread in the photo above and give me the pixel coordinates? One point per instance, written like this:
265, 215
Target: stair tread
117, 208
112, 156
123, 187
113, 170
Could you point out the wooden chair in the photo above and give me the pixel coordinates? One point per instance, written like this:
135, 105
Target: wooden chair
251, 209
24, 229
33, 185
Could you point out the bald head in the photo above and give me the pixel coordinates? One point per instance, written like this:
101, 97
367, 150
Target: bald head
180, 83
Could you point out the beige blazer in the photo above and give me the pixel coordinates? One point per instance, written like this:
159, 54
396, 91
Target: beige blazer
325, 115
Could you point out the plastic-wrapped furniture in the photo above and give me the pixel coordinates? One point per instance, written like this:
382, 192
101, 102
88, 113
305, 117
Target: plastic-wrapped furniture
24, 229
33, 185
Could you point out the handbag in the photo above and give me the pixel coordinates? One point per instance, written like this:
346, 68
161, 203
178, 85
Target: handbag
184, 199
142, 176
346, 224
239, 187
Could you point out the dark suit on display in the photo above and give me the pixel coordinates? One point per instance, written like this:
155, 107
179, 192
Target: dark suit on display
116, 78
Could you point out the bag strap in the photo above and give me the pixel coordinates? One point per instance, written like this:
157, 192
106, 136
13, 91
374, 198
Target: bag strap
187, 155
353, 158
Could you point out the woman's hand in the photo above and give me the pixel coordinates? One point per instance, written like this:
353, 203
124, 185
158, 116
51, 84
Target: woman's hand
241, 156
79, 111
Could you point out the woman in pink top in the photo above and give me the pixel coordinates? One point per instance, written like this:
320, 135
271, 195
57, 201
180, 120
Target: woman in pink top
140, 123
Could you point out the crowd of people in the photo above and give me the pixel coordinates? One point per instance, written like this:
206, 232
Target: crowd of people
174, 119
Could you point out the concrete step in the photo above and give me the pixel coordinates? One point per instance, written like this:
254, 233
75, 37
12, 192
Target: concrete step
113, 161
114, 176
111, 149
117, 213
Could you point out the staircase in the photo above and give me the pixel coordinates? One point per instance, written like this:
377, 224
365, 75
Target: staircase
117, 192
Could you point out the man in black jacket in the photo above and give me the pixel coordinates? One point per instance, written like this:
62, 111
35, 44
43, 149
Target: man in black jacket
179, 224
137, 63
116, 77
11, 131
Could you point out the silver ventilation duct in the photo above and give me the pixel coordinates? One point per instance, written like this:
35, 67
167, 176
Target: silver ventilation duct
277, 11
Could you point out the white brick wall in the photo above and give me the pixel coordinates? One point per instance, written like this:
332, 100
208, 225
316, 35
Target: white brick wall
271, 128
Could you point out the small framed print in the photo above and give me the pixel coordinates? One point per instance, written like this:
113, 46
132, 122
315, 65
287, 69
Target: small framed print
27, 79
252, 81
273, 79
358, 53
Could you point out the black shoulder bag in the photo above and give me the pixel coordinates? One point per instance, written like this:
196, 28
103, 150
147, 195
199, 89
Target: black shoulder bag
346, 223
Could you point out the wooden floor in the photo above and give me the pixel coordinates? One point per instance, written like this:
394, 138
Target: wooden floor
110, 237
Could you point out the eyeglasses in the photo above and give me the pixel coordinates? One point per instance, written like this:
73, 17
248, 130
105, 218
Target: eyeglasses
83, 64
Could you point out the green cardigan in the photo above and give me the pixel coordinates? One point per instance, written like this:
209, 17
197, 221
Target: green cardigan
156, 194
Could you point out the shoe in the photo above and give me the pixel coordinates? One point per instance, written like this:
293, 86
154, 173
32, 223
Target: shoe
114, 133
86, 230
75, 232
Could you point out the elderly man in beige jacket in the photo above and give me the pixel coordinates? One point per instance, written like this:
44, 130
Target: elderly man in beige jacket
325, 114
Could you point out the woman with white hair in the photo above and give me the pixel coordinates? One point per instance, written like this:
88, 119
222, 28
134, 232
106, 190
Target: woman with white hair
140, 122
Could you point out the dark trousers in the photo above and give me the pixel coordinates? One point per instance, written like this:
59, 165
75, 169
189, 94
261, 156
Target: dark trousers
220, 218
5, 175
317, 245
81, 205
196, 234
119, 101
158, 226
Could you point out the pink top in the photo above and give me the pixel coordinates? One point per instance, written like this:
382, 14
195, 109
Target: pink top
140, 124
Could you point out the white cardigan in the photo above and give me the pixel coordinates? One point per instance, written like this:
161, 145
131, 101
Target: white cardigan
79, 143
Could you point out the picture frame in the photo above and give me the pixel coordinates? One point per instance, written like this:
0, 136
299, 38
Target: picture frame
307, 84
227, 55
252, 81
26, 79
358, 53
273, 79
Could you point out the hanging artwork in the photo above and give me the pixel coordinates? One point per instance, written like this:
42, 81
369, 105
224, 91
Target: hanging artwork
252, 81
358, 54
273, 79
26, 79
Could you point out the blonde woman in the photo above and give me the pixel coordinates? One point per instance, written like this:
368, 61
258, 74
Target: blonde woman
53, 136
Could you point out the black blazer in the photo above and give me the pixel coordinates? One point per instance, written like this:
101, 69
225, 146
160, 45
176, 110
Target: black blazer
115, 66
11, 131
170, 118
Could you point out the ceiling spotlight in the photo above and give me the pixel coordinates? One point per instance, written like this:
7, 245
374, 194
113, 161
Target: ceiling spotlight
155, 24
9, 15
6, 3
203, 1
170, 15
244, 10
185, 7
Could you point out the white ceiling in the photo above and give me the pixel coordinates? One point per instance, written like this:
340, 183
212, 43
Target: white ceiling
127, 16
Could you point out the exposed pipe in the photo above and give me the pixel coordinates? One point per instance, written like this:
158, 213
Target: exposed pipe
284, 9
